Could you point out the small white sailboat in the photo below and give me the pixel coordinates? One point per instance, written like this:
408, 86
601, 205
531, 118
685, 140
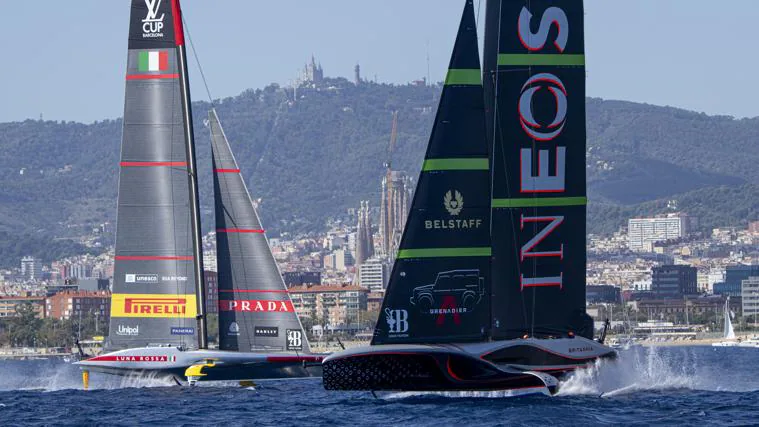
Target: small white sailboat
730, 339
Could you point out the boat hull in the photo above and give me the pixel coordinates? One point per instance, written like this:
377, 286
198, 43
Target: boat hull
504, 365
219, 365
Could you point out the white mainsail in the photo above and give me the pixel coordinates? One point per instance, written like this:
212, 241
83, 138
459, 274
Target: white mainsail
729, 332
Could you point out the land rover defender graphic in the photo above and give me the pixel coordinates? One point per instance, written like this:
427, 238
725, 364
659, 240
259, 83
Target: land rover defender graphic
464, 287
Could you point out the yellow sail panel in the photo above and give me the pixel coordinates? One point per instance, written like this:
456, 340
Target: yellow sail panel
153, 306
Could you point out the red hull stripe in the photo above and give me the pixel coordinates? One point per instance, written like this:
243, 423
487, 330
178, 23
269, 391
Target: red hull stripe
147, 164
151, 76
227, 170
253, 291
176, 12
129, 359
152, 258
239, 230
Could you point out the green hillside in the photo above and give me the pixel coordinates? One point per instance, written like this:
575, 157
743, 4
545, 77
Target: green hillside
312, 155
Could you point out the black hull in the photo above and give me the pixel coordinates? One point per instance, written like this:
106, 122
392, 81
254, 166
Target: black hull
506, 365
424, 372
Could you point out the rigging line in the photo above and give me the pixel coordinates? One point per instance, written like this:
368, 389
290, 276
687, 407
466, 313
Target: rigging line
497, 130
197, 61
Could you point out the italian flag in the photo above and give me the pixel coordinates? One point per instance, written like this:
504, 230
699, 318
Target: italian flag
153, 61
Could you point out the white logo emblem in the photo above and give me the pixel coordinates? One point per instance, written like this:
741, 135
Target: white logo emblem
234, 328
152, 25
453, 202
397, 321
294, 339
140, 278
531, 126
128, 331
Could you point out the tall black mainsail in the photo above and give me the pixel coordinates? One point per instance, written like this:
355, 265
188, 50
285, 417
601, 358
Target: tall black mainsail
441, 278
157, 264
255, 310
535, 79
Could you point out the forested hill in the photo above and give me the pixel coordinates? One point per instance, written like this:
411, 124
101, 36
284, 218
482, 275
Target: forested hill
312, 155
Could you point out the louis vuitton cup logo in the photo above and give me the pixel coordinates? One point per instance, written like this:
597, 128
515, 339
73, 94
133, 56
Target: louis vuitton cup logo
152, 25
397, 321
453, 202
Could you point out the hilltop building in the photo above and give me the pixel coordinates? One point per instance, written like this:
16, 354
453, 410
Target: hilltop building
357, 75
313, 73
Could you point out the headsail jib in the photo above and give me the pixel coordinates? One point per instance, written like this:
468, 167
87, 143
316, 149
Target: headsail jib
440, 283
539, 195
255, 310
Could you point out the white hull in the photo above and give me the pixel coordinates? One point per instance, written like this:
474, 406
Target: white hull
218, 365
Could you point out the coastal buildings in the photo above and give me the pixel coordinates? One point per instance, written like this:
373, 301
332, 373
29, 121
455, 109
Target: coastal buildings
300, 278
364, 241
338, 260
373, 275
72, 305
31, 268
750, 297
642, 233
330, 305
8, 305
396, 197
212, 291
603, 294
674, 281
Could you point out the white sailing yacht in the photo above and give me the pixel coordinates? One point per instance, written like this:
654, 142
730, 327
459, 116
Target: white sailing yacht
729, 336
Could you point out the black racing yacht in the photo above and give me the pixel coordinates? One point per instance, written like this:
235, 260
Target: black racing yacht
488, 288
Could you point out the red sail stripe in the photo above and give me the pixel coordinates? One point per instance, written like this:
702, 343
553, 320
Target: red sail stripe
176, 12
227, 170
151, 76
130, 164
152, 258
273, 291
239, 230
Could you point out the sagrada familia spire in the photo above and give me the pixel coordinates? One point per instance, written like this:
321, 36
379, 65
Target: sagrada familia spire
364, 239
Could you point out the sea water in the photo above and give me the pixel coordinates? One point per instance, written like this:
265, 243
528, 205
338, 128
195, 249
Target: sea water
645, 386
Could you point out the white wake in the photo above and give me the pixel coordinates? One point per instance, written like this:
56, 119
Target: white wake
652, 368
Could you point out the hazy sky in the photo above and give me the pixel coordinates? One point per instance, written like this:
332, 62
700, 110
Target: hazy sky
66, 58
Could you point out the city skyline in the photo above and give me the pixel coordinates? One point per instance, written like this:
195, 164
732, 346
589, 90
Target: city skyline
647, 57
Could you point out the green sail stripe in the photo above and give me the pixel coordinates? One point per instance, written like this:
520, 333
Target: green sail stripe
455, 164
463, 77
538, 59
443, 252
539, 203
